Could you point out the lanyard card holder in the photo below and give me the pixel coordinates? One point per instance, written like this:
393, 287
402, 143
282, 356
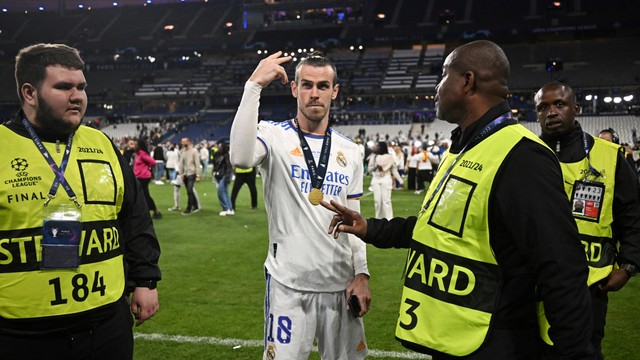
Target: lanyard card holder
62, 227
586, 200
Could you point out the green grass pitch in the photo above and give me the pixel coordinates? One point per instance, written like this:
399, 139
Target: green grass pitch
212, 290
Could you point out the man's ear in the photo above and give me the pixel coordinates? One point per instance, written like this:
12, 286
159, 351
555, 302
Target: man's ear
29, 93
336, 88
469, 81
294, 89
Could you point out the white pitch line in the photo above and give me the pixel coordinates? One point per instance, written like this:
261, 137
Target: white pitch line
257, 343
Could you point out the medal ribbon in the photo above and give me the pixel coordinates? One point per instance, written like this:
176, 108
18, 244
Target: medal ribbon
317, 172
58, 171
482, 134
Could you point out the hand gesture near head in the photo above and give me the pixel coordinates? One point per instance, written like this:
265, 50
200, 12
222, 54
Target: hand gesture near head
270, 69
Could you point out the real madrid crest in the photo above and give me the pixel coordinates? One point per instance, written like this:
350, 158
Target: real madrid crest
271, 352
341, 159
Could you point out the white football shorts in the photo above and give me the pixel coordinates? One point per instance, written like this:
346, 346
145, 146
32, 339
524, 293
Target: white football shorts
293, 319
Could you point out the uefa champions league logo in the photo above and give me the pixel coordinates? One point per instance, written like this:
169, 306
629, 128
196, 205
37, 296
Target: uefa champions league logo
20, 165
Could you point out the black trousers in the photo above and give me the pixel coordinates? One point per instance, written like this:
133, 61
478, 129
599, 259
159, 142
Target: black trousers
599, 304
111, 339
145, 190
423, 176
241, 179
411, 178
189, 183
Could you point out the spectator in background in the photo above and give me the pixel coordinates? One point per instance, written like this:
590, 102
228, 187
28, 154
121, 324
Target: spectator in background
189, 170
426, 162
628, 152
160, 156
142, 163
596, 172
177, 183
412, 167
173, 153
203, 152
398, 157
222, 176
128, 151
245, 176
382, 167
610, 135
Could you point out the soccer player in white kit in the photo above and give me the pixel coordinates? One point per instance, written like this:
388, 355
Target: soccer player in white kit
310, 276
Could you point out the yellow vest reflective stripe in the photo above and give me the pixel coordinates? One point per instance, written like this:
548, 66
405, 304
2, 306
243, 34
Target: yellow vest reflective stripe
240, 170
596, 236
452, 278
94, 174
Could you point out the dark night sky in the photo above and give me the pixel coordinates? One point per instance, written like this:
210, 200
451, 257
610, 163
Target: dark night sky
52, 5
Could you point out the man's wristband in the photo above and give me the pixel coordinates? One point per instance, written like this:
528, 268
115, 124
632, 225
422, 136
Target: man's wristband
630, 269
151, 284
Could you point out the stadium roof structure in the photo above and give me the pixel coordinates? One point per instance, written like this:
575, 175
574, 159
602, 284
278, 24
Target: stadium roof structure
55, 5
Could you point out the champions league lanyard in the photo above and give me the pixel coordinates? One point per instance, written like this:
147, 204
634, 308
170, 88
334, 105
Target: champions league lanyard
316, 172
587, 195
58, 171
483, 133
592, 170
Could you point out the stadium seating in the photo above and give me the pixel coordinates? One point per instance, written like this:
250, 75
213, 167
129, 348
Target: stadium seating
390, 81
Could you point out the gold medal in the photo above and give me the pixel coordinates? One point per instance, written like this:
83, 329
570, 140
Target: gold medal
315, 196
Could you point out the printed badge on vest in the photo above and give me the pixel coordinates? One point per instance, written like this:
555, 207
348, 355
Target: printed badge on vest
586, 200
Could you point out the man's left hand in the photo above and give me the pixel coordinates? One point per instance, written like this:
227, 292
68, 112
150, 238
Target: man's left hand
615, 281
144, 304
360, 288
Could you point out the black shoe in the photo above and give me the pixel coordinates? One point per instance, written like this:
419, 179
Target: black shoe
196, 210
187, 212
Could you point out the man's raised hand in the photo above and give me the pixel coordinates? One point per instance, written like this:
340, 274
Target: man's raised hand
269, 69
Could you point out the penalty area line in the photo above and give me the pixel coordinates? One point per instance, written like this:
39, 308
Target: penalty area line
258, 344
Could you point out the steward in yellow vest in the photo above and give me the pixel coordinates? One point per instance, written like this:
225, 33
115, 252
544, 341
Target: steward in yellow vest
604, 193
482, 244
76, 237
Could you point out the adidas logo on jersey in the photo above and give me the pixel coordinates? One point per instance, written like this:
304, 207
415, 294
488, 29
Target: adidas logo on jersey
297, 152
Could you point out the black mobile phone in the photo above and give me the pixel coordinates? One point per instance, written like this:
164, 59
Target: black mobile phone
354, 306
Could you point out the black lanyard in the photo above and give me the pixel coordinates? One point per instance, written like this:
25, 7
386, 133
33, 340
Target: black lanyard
592, 170
317, 172
58, 171
482, 134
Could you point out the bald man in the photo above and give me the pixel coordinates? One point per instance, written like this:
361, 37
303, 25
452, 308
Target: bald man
481, 251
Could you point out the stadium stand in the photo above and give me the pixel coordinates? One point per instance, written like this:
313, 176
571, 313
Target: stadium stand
179, 62
368, 76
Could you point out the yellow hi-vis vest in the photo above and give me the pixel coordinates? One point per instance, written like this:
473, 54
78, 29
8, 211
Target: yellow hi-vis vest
94, 174
595, 236
452, 280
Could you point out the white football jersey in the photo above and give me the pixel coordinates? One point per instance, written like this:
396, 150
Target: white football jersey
302, 255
